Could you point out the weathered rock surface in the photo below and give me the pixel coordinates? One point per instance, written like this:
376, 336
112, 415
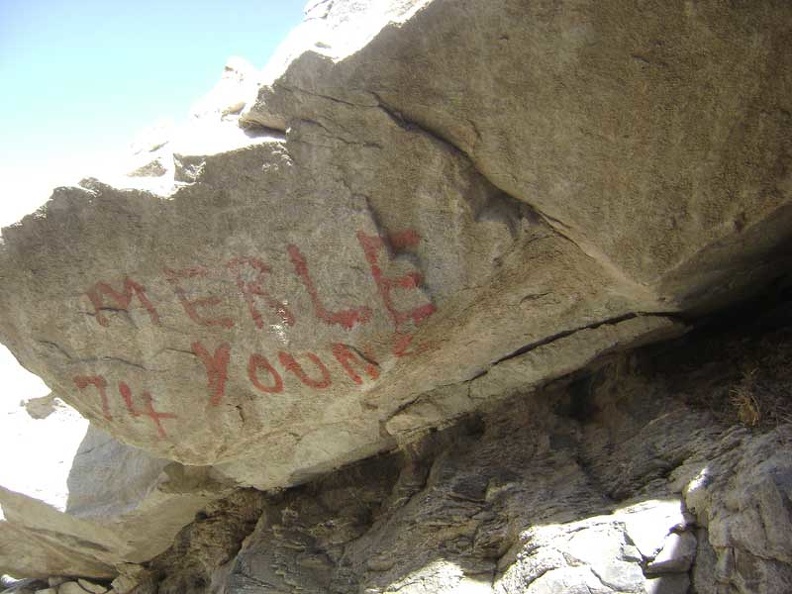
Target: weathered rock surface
58, 586
655, 138
386, 265
415, 222
90, 503
523, 498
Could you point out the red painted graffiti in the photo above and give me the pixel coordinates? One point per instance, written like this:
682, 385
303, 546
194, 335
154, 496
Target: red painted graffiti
83, 381
254, 289
257, 293
256, 362
251, 275
148, 408
191, 305
100, 383
154, 415
347, 355
290, 364
126, 396
372, 246
216, 366
122, 300
345, 318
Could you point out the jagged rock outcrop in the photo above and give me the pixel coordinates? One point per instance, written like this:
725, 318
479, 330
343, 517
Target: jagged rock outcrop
88, 503
631, 479
313, 298
410, 224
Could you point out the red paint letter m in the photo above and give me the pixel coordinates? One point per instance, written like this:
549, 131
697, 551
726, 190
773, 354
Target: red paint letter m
105, 298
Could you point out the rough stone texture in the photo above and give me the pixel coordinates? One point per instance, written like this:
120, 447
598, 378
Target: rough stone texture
509, 502
336, 29
743, 498
333, 279
217, 318
71, 588
677, 554
117, 504
414, 222
644, 135
91, 587
676, 583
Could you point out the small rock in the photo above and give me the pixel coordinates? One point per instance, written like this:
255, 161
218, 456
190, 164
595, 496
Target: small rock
41, 408
676, 556
124, 584
155, 168
56, 581
650, 522
91, 587
676, 583
47, 591
70, 588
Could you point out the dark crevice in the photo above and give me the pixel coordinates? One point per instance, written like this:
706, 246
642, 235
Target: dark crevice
581, 401
545, 341
337, 136
72, 360
766, 310
254, 129
410, 126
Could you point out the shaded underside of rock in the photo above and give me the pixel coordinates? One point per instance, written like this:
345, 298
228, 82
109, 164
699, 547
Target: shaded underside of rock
123, 506
617, 481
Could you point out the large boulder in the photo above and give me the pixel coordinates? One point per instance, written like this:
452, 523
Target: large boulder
484, 196
628, 480
272, 310
416, 218
656, 138
75, 501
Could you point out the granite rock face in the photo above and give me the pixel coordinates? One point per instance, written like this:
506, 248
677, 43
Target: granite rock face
612, 482
427, 208
654, 138
381, 266
104, 505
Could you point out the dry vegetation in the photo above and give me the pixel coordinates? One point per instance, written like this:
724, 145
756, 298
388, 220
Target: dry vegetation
738, 366
763, 394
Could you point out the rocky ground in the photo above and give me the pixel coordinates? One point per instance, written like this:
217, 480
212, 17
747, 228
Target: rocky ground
665, 470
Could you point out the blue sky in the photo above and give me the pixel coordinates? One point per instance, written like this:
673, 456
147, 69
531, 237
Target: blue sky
81, 77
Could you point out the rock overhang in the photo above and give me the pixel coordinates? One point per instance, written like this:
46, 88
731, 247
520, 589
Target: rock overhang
403, 253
